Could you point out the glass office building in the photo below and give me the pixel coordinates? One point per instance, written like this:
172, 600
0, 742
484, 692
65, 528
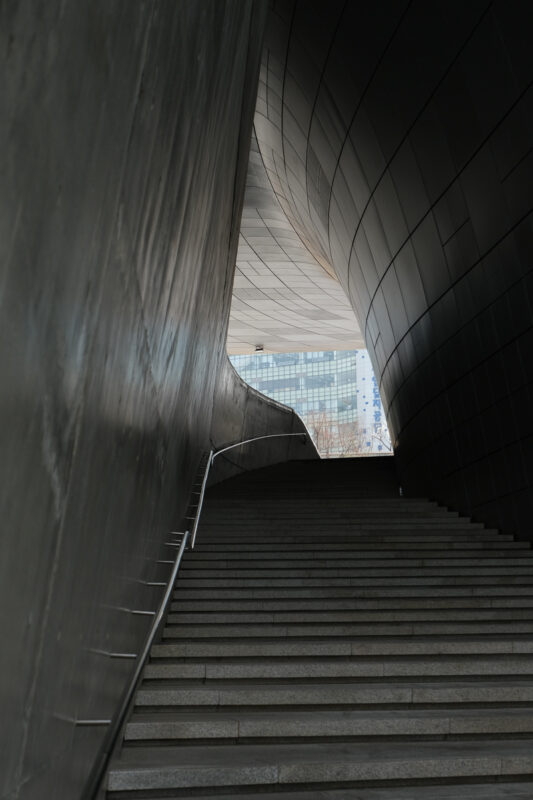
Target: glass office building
335, 393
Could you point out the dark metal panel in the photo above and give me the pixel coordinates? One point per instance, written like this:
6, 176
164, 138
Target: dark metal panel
436, 153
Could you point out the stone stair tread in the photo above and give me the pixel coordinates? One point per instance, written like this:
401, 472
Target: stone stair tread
310, 533
250, 724
353, 512
247, 604
401, 567
390, 646
370, 550
361, 592
478, 791
335, 500
488, 682
412, 578
350, 615
362, 559
363, 629
384, 524
363, 667
452, 550
218, 693
147, 767
150, 717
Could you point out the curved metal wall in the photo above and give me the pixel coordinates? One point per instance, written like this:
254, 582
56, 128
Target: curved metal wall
123, 153
398, 139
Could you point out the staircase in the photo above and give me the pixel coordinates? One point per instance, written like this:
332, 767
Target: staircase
330, 639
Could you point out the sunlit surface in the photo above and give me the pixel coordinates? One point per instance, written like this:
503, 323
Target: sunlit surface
334, 391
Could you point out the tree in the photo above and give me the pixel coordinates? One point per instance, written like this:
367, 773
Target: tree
333, 438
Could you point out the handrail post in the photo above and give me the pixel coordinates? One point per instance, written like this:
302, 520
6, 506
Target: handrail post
97, 775
213, 454
201, 500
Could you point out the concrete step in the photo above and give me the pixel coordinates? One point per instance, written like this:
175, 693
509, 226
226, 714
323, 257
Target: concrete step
324, 500
248, 604
420, 592
270, 695
500, 790
363, 559
276, 766
325, 577
332, 629
343, 667
372, 646
404, 578
319, 514
243, 617
305, 511
305, 550
323, 523
304, 533
295, 541
301, 498
299, 508
511, 563
243, 725
402, 550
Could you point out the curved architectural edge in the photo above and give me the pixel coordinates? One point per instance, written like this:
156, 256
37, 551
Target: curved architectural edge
397, 137
240, 413
283, 299
123, 154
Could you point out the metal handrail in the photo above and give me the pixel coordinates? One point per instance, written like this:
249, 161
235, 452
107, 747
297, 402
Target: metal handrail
256, 438
97, 774
212, 455
201, 498
96, 777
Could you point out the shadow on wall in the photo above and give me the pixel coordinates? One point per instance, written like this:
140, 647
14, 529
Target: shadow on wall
123, 157
400, 148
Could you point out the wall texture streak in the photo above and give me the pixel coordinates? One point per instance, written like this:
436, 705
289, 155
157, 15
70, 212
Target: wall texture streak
124, 136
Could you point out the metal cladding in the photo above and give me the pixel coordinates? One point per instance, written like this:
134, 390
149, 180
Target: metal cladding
123, 153
398, 140
283, 299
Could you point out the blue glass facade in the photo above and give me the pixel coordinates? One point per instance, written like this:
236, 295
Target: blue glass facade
334, 391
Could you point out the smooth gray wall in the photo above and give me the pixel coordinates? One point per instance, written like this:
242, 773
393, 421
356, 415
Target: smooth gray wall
398, 139
242, 413
124, 136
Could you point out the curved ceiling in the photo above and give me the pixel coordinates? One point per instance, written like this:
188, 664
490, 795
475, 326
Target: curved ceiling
397, 137
283, 298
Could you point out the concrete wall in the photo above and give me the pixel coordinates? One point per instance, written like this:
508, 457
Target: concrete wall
124, 135
242, 413
398, 139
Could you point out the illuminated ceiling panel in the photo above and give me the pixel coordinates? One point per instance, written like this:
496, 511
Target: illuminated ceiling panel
283, 299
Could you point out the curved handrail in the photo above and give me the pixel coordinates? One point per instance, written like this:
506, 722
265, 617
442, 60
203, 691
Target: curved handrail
255, 439
212, 455
94, 782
